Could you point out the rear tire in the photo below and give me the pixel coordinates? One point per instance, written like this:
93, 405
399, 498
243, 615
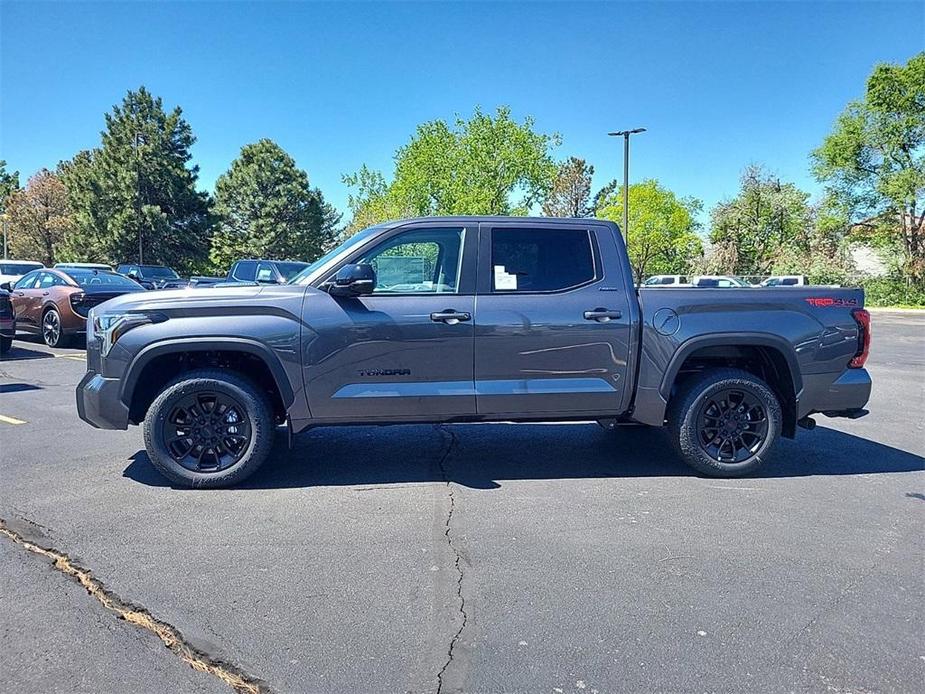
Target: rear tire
52, 332
724, 422
209, 428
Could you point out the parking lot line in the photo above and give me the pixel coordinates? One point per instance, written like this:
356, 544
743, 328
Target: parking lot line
11, 420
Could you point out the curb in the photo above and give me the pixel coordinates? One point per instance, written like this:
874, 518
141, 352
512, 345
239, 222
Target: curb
913, 311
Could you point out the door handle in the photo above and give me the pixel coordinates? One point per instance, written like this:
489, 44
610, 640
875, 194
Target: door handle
44, 293
602, 315
20, 293
450, 317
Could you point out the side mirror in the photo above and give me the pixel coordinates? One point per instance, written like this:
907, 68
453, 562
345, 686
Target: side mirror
132, 275
8, 286
353, 280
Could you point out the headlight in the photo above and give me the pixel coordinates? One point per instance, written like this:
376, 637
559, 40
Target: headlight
109, 327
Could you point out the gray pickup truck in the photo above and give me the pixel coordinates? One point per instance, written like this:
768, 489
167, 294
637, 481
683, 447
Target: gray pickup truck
465, 319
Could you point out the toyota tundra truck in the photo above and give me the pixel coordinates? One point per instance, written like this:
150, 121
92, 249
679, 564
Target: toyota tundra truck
472, 319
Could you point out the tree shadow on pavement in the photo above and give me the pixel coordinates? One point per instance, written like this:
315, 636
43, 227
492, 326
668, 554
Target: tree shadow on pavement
481, 456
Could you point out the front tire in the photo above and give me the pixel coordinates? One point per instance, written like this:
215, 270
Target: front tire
6, 344
209, 428
724, 422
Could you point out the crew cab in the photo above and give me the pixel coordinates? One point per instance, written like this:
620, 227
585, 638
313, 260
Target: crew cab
463, 319
251, 271
153, 276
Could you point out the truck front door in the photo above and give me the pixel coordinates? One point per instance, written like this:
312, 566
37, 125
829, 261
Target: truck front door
553, 320
406, 351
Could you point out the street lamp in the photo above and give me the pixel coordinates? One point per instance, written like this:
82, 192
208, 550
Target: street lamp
626, 174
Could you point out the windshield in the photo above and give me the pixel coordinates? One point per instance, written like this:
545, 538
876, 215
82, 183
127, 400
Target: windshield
290, 270
344, 248
99, 279
18, 268
158, 272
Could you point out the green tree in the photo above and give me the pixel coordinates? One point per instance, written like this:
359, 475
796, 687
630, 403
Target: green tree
662, 236
484, 165
570, 195
874, 159
767, 215
138, 185
39, 218
267, 209
9, 184
601, 196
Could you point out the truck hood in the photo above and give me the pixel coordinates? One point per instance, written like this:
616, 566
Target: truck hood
201, 299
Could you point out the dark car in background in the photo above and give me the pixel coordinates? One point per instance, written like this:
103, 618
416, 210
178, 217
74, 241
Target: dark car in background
54, 303
255, 271
153, 276
7, 322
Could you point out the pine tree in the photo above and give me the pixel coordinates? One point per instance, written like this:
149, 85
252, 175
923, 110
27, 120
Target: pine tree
138, 188
267, 209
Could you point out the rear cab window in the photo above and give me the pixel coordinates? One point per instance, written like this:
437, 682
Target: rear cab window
529, 260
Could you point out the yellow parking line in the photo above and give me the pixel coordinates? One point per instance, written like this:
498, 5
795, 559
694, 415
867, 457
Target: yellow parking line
11, 420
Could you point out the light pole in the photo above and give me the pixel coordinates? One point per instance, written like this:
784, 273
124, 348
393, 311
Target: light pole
138, 196
626, 175
3, 218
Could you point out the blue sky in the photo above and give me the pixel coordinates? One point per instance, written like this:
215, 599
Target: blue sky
718, 85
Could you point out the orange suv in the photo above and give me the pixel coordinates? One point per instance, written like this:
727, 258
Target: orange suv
54, 302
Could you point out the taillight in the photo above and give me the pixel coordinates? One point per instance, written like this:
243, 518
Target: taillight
862, 318
77, 298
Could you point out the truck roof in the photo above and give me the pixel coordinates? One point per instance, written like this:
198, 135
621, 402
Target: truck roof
462, 219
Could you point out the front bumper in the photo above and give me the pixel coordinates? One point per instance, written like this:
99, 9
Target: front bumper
99, 404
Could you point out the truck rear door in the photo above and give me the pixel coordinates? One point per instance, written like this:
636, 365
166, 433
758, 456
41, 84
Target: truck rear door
553, 319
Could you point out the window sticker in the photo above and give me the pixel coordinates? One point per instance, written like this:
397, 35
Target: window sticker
503, 280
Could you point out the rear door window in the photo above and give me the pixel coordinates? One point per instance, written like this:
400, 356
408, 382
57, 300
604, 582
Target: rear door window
246, 271
541, 260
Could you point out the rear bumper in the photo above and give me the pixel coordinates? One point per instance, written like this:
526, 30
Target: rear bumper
845, 396
98, 402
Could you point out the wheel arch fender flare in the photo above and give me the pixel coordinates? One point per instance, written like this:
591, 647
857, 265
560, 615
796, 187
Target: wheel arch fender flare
737, 339
207, 344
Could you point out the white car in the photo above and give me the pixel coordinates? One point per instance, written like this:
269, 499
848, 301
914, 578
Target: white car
784, 281
719, 281
667, 281
12, 270
85, 266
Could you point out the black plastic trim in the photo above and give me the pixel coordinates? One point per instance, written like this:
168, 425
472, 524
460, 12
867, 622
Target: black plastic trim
192, 344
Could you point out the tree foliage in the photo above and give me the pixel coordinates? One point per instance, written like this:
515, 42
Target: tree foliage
873, 161
39, 218
484, 165
662, 236
767, 215
9, 184
267, 209
139, 184
570, 195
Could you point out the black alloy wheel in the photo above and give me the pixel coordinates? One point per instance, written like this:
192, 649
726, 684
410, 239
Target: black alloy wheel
732, 425
724, 421
207, 431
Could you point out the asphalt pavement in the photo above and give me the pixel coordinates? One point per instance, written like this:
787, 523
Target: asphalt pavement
475, 558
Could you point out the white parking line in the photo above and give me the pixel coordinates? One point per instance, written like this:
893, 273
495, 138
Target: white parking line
11, 420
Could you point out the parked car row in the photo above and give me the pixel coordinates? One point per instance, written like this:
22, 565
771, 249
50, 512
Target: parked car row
722, 281
54, 302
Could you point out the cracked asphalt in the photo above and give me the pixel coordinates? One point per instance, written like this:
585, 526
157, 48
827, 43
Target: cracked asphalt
475, 558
